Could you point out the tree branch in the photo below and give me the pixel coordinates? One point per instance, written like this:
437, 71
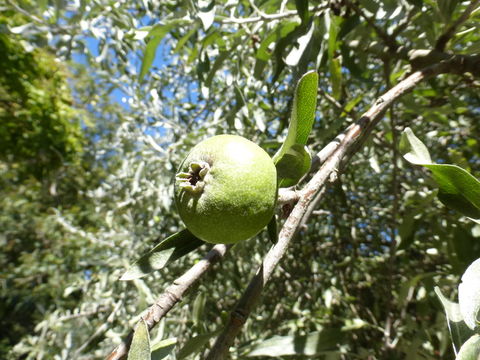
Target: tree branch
171, 296
331, 157
448, 34
354, 137
389, 40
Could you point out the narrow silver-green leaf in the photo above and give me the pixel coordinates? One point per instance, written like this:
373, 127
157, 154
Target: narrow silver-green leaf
195, 345
169, 250
181, 43
336, 77
313, 344
149, 55
216, 65
140, 347
413, 149
459, 331
163, 348
155, 36
198, 308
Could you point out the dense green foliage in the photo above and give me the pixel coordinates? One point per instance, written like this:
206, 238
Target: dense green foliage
157, 77
39, 129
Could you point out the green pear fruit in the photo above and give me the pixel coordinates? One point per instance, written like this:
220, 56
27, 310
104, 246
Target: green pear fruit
226, 189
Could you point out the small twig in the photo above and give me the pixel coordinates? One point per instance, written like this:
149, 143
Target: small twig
448, 34
171, 296
254, 19
267, 17
393, 243
26, 13
403, 23
55, 29
335, 103
354, 137
288, 195
81, 314
387, 39
100, 330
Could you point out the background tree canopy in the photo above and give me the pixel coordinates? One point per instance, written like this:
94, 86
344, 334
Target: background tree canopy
101, 100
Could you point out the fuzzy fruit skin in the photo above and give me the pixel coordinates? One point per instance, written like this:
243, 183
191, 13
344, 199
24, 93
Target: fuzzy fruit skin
238, 195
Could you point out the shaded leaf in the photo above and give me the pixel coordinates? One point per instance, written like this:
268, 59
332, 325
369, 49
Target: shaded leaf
216, 65
312, 344
459, 331
198, 308
302, 9
169, 250
195, 344
458, 189
335, 67
155, 36
272, 230
140, 347
184, 39
447, 8
466, 247
163, 348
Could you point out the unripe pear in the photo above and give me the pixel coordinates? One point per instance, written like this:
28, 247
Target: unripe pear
226, 189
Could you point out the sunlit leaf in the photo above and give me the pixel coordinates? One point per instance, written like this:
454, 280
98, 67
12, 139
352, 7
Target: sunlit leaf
206, 13
458, 189
140, 347
198, 308
296, 53
469, 295
470, 350
413, 149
